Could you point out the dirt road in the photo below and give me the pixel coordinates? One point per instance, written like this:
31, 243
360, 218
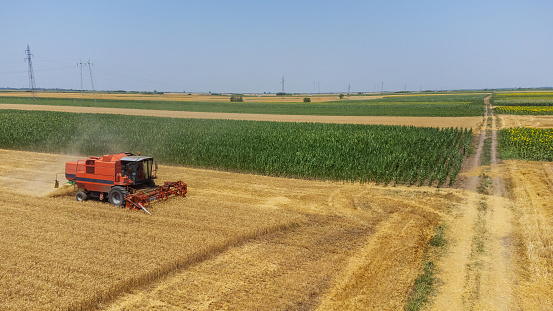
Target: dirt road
498, 276
453, 268
478, 271
469, 122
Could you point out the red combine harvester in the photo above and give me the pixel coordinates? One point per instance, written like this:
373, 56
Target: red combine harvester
123, 178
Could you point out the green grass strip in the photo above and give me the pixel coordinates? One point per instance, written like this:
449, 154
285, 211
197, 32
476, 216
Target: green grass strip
423, 287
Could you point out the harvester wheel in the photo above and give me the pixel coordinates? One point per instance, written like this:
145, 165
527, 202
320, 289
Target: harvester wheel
117, 196
81, 196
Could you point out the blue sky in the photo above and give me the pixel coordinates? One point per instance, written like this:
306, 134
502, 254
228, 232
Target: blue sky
247, 46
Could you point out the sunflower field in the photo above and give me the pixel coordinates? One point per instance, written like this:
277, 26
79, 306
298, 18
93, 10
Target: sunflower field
524, 110
526, 143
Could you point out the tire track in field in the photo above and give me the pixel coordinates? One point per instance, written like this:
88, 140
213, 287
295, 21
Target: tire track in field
498, 264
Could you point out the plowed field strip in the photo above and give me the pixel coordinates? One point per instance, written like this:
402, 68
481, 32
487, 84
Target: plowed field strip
461, 122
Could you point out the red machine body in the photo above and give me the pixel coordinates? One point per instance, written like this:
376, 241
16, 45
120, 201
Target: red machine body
100, 174
123, 178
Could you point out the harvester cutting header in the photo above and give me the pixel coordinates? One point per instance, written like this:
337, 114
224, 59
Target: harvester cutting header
123, 178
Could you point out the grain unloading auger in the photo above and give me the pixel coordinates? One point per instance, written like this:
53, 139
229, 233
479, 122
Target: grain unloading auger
124, 179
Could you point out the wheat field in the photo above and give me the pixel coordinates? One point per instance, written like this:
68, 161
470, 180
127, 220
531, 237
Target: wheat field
238, 241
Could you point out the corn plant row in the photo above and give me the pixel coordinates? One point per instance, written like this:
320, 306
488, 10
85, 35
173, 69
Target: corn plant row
346, 152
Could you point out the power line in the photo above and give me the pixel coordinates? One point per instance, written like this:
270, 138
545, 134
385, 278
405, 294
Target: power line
80, 64
91, 80
54, 69
317, 85
38, 70
32, 85
109, 73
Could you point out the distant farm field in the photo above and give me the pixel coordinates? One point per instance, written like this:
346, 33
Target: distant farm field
523, 103
524, 110
441, 122
535, 121
522, 99
455, 105
182, 97
197, 97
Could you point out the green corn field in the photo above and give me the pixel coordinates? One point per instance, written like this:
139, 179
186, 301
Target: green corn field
345, 152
